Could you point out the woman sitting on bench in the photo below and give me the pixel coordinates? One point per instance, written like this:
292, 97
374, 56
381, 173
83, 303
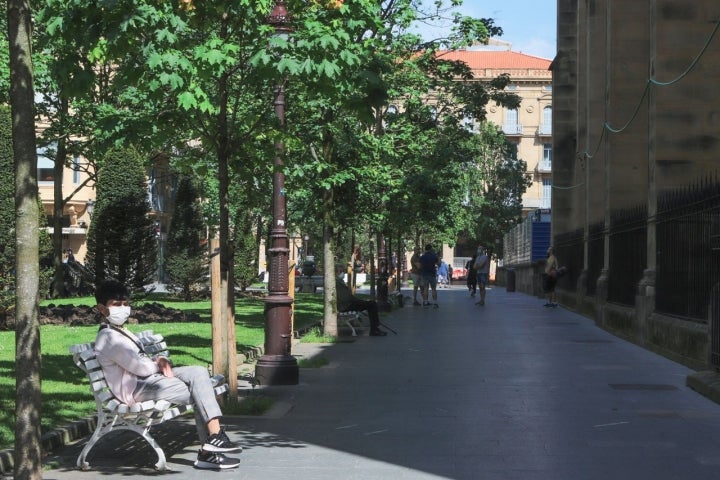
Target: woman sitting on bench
133, 376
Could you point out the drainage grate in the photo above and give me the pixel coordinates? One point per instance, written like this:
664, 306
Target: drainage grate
642, 386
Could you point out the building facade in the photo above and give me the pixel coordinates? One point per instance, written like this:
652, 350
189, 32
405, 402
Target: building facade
78, 185
77, 212
530, 125
635, 210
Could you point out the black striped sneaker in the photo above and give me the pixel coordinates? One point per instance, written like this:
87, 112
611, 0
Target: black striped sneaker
219, 442
215, 461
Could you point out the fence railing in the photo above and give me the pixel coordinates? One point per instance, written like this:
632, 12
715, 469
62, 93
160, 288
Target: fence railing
596, 256
688, 250
570, 252
628, 254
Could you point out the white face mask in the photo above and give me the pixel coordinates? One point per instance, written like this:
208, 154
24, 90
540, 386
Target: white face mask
118, 315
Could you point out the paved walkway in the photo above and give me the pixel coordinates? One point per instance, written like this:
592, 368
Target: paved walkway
511, 390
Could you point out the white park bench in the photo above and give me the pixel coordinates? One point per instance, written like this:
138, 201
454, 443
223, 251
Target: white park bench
114, 415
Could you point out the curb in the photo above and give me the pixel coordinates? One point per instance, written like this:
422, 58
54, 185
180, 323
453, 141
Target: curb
52, 440
706, 383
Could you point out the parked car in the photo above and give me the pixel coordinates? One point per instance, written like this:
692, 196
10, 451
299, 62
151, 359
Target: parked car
459, 270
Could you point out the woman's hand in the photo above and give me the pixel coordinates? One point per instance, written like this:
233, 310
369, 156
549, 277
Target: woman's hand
165, 366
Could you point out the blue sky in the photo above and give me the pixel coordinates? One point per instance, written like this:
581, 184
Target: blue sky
528, 24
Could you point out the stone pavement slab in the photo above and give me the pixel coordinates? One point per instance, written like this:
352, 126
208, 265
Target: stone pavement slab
509, 390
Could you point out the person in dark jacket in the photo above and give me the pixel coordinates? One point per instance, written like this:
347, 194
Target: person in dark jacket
347, 302
471, 276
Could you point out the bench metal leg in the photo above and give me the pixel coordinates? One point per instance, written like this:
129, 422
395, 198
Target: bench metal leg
354, 333
349, 317
104, 425
107, 425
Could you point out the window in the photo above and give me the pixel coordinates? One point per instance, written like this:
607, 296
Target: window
511, 117
547, 157
545, 128
547, 193
76, 170
511, 125
547, 116
45, 166
469, 122
512, 87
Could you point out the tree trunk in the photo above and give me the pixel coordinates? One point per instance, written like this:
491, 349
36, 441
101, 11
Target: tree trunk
27, 457
329, 291
227, 290
372, 272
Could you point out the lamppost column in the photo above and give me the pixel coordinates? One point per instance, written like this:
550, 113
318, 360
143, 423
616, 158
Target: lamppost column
277, 366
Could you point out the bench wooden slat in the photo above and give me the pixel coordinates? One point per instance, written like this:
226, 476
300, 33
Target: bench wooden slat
112, 404
104, 395
95, 375
155, 348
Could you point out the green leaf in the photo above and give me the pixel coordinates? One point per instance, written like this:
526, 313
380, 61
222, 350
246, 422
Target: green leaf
187, 101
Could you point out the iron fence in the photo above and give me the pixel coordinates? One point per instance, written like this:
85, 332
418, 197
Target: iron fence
688, 250
628, 254
570, 252
596, 255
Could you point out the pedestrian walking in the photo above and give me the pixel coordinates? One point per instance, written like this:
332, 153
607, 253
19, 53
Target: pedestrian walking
550, 276
471, 277
429, 262
442, 274
482, 271
415, 269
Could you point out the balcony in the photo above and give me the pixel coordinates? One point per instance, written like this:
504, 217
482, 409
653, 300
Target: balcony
545, 130
544, 166
512, 129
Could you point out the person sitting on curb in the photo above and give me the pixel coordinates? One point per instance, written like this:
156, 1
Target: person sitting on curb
134, 377
347, 302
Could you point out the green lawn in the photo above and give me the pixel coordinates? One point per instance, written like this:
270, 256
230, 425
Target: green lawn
65, 392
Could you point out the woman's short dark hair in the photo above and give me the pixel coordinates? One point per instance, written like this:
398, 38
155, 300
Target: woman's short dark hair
111, 290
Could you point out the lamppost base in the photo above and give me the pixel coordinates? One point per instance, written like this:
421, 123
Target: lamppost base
277, 370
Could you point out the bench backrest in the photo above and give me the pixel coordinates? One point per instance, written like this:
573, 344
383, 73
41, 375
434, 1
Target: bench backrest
85, 358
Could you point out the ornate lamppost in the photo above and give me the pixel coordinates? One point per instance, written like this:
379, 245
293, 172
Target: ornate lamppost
277, 366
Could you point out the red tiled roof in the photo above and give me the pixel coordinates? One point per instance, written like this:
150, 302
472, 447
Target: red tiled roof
496, 59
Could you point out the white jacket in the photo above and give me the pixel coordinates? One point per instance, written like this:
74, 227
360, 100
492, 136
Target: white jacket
122, 362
